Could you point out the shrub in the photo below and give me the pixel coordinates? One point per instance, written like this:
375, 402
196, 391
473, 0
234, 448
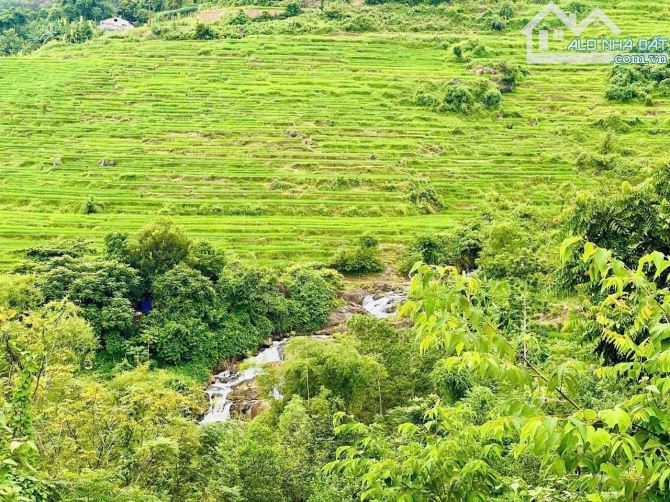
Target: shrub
176, 341
240, 18
117, 246
498, 24
458, 98
407, 261
311, 299
333, 14
74, 248
506, 11
491, 98
90, 206
293, 9
631, 223
334, 365
463, 246
577, 7
628, 82
159, 247
451, 384
460, 248
362, 259
595, 162
184, 292
359, 24
469, 49
432, 248
237, 335
425, 198
204, 32
206, 259
508, 75
103, 289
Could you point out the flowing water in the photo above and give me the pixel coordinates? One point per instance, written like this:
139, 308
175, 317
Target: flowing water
384, 306
226, 381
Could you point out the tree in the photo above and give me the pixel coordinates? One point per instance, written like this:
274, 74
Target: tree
87, 9
183, 291
260, 466
100, 287
612, 449
311, 299
159, 247
37, 349
333, 365
205, 258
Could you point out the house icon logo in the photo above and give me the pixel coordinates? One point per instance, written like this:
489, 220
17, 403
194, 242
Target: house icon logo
537, 40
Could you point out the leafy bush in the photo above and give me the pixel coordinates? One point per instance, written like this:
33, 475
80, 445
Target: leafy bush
204, 32
595, 162
293, 9
205, 258
240, 18
90, 206
175, 341
311, 299
158, 247
467, 50
425, 198
630, 222
334, 365
362, 259
451, 384
459, 247
458, 98
508, 75
183, 292
74, 248
628, 82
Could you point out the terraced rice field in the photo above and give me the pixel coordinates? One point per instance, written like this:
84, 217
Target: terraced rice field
281, 148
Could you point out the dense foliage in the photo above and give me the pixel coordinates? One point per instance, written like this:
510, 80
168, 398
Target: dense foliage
26, 27
531, 359
362, 259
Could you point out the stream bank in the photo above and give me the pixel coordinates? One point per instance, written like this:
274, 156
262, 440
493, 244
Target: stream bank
234, 392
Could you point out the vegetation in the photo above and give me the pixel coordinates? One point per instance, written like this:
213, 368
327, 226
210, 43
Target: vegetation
362, 259
300, 188
178, 197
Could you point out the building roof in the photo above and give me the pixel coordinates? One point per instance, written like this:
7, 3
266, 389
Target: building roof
115, 24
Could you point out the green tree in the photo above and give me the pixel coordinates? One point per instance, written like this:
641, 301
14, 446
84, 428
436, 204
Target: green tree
337, 366
159, 247
87, 9
615, 450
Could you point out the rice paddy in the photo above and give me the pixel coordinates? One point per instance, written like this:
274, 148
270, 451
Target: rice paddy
282, 148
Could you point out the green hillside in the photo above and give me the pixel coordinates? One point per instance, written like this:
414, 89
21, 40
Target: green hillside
333, 251
282, 146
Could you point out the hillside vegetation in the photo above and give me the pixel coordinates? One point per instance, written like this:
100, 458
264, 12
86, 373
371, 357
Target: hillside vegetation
282, 146
401, 264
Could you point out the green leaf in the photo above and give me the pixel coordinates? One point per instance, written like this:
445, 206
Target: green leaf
616, 417
599, 438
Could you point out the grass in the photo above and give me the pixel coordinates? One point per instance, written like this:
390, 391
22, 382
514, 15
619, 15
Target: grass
284, 147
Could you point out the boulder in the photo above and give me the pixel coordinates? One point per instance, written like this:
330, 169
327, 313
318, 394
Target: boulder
337, 320
354, 296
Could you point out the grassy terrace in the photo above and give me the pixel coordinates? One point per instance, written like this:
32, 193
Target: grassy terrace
282, 147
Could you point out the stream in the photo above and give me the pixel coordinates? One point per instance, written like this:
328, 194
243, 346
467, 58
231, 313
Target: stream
381, 307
